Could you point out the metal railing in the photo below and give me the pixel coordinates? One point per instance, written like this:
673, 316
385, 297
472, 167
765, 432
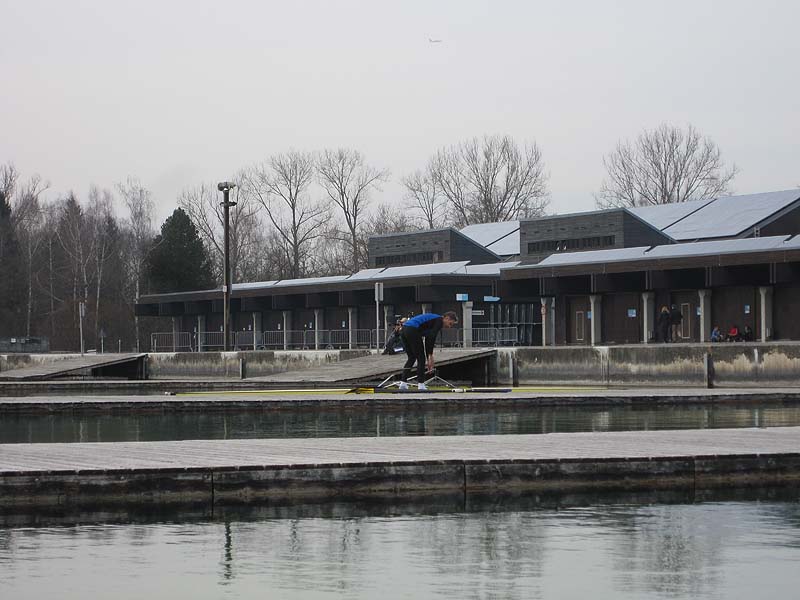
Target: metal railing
178, 341
212, 339
310, 339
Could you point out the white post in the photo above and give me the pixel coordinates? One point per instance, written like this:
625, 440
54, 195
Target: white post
596, 306
287, 326
648, 313
704, 297
426, 308
351, 322
317, 327
548, 321
81, 314
201, 327
765, 315
378, 298
466, 312
256, 328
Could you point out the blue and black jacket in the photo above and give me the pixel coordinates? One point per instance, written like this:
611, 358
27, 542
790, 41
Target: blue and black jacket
428, 325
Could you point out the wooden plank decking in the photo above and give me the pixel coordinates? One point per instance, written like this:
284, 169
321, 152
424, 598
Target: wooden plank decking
244, 470
368, 368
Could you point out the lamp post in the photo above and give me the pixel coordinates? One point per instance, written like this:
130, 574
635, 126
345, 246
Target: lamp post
225, 187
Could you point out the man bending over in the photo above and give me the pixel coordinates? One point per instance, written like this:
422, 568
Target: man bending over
419, 335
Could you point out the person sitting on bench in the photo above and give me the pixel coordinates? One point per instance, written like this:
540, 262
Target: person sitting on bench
419, 336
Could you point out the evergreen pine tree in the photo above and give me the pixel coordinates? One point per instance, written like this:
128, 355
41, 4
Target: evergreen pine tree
179, 261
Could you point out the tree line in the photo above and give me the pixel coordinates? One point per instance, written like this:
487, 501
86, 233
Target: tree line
298, 214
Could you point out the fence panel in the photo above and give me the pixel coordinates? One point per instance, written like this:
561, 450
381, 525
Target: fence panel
212, 339
273, 339
366, 338
169, 341
243, 340
339, 338
507, 336
452, 337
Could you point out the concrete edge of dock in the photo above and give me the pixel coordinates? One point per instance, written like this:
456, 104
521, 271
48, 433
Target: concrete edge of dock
326, 482
343, 401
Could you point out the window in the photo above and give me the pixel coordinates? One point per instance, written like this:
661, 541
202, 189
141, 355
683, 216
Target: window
411, 258
572, 244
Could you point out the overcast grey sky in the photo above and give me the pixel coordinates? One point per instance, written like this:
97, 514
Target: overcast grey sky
177, 93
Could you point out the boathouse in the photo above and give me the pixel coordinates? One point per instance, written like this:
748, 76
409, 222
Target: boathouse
590, 278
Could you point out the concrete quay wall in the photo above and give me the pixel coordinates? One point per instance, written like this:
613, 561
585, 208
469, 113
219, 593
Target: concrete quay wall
242, 485
227, 364
734, 364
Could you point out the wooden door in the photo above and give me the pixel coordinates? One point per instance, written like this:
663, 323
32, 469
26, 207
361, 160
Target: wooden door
578, 331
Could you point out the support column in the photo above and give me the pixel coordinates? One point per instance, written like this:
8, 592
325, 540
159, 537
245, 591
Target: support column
318, 312
648, 315
426, 308
765, 318
174, 333
704, 301
466, 319
352, 321
201, 329
548, 321
287, 327
388, 317
256, 329
595, 323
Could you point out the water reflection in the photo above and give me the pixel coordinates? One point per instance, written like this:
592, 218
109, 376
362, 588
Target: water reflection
564, 546
371, 422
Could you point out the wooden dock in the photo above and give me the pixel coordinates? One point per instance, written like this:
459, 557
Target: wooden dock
239, 471
368, 369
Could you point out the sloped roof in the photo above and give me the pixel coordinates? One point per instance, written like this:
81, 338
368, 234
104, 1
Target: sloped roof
501, 238
687, 250
662, 216
726, 216
490, 269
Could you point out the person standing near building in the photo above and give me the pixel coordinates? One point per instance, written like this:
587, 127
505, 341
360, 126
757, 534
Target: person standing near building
419, 336
664, 324
675, 318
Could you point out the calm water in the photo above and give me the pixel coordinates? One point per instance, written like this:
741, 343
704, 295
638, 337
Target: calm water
365, 422
720, 550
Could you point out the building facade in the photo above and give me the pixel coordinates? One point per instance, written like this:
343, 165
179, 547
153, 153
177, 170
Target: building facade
590, 278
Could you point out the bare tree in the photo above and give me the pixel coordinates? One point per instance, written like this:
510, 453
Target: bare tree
140, 233
281, 187
491, 179
386, 218
28, 220
76, 244
8, 181
424, 196
100, 217
662, 166
348, 180
202, 204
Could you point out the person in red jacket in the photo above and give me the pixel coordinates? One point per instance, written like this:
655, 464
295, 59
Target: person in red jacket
419, 336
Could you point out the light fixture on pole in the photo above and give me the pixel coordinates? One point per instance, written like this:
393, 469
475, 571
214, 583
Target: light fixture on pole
225, 187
